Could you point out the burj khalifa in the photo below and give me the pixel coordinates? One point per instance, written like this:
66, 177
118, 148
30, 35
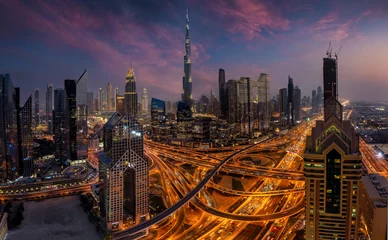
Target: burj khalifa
187, 96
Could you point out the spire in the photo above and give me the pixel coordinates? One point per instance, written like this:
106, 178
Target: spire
187, 42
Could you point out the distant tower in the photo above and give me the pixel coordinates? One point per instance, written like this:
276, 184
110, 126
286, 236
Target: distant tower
49, 107
283, 105
60, 125
90, 102
130, 93
263, 101
223, 98
187, 96
82, 104
36, 109
71, 113
290, 103
297, 104
144, 101
109, 97
100, 99
116, 93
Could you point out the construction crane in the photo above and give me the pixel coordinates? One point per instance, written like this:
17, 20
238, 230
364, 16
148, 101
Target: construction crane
328, 51
336, 54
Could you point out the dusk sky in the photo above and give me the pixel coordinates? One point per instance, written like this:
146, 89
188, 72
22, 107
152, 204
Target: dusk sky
48, 41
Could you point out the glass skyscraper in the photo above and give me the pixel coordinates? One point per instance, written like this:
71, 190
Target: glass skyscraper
158, 111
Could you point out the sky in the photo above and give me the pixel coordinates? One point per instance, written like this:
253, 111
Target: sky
48, 41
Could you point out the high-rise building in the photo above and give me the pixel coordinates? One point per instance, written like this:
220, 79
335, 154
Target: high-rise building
373, 205
36, 108
222, 93
124, 172
263, 101
320, 99
61, 132
116, 93
332, 170
100, 99
290, 103
49, 107
9, 160
187, 96
314, 102
25, 139
71, 113
82, 105
120, 104
184, 113
244, 106
158, 111
90, 102
232, 89
130, 93
168, 106
283, 105
109, 105
203, 104
144, 101
330, 86
297, 105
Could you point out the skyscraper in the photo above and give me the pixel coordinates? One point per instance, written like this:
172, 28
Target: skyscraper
124, 172
82, 105
320, 99
130, 93
187, 96
120, 104
330, 86
25, 139
290, 103
109, 97
222, 93
90, 102
232, 89
9, 160
297, 105
158, 111
244, 106
332, 170
49, 107
283, 105
116, 93
71, 113
314, 102
100, 99
61, 135
144, 101
263, 101
36, 108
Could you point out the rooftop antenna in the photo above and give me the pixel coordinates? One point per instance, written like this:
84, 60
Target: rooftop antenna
337, 53
328, 51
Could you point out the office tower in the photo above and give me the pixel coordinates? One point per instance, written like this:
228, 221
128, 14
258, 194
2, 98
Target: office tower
100, 99
330, 87
158, 111
130, 103
184, 112
320, 99
144, 101
124, 172
36, 108
49, 108
232, 89
314, 102
9, 163
222, 93
214, 105
109, 97
263, 101
332, 170
116, 93
61, 132
297, 105
283, 100
203, 104
187, 96
71, 95
244, 106
90, 102
168, 106
373, 205
120, 104
290, 103
82, 105
25, 139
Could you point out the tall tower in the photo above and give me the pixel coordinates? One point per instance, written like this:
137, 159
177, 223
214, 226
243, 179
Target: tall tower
130, 93
36, 108
100, 99
116, 93
263, 101
222, 93
283, 105
187, 96
71, 113
332, 170
144, 101
109, 97
290, 102
297, 105
49, 107
60, 128
82, 104
124, 172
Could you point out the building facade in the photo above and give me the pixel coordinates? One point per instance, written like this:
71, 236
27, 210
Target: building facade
187, 96
222, 93
263, 101
49, 107
283, 106
61, 135
158, 111
123, 172
109, 105
297, 105
144, 101
130, 93
71, 108
290, 102
36, 108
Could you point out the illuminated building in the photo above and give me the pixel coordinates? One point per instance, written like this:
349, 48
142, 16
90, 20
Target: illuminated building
373, 204
263, 101
283, 105
100, 100
36, 108
187, 81
120, 99
109, 97
115, 98
297, 105
158, 111
49, 107
223, 97
144, 101
61, 137
71, 114
332, 170
25, 138
90, 102
82, 105
130, 102
123, 170
290, 102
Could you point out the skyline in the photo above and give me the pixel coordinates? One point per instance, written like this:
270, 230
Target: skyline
53, 41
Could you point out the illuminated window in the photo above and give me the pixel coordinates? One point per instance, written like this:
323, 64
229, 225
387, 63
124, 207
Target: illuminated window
329, 191
337, 161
